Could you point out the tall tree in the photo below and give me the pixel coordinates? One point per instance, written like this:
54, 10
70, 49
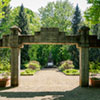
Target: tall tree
4, 25
22, 22
92, 14
3, 3
76, 20
57, 14
75, 27
94, 52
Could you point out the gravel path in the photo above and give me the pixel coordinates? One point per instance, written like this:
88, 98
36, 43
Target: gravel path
49, 84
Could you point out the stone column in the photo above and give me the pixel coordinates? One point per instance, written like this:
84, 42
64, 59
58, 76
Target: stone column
84, 56
84, 67
15, 66
15, 55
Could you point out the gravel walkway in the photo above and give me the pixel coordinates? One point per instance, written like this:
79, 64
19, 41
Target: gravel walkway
49, 84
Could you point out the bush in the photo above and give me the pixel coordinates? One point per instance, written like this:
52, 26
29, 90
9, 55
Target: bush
94, 71
34, 65
5, 65
94, 67
66, 65
28, 72
71, 72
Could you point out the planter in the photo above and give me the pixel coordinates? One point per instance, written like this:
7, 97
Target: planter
95, 82
4, 82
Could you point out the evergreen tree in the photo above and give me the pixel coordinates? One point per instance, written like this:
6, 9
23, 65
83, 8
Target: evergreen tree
22, 22
76, 20
75, 27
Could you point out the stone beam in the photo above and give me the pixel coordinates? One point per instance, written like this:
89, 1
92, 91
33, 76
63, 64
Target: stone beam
94, 42
30, 39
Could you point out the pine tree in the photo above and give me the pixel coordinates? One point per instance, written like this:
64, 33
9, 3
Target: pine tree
76, 20
75, 27
22, 22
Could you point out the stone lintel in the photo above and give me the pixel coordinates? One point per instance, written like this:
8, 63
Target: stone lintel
38, 39
50, 29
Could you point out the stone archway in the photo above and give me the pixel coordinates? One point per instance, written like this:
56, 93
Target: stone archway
83, 41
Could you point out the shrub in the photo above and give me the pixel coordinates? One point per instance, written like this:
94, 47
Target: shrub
66, 65
28, 72
71, 72
34, 65
94, 67
5, 65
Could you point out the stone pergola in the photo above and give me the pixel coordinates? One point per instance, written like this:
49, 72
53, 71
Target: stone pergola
83, 41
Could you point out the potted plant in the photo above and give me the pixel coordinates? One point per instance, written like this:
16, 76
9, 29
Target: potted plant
95, 82
5, 80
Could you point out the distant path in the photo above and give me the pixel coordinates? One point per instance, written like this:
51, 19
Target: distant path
49, 84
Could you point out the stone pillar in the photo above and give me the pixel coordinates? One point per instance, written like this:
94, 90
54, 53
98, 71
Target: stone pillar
84, 67
15, 55
15, 66
84, 56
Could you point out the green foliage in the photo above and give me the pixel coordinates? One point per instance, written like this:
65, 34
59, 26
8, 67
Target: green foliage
60, 53
32, 17
92, 14
6, 74
28, 72
5, 65
22, 22
4, 26
94, 55
94, 67
41, 52
67, 68
34, 65
76, 20
71, 72
3, 3
74, 53
66, 65
57, 14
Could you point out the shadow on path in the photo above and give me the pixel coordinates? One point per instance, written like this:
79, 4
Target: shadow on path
75, 94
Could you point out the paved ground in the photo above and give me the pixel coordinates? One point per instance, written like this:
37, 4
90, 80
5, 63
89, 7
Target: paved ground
49, 84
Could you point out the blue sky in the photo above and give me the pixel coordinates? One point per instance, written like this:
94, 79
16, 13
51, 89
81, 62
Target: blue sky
34, 5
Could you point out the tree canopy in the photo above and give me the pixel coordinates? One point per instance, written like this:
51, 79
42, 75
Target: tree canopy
57, 14
3, 3
92, 14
